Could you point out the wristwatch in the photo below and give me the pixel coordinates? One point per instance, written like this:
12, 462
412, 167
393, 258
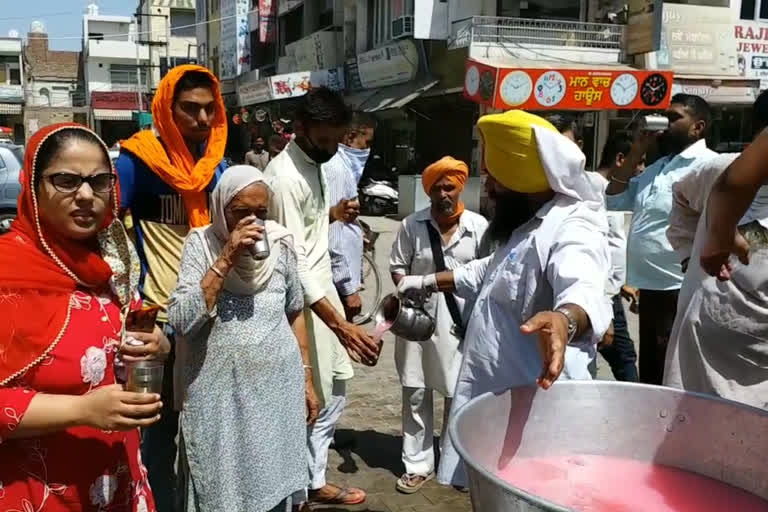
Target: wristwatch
572, 324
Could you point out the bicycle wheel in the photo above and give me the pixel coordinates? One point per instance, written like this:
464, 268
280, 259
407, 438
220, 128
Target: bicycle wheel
371, 290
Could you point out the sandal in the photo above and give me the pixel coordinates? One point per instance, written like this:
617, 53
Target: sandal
410, 483
345, 496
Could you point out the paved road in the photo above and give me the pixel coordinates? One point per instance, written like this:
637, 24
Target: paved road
368, 439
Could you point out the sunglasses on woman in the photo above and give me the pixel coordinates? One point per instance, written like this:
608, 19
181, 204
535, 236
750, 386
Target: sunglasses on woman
68, 183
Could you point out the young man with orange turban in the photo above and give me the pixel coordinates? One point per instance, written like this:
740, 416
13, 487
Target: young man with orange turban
442, 237
539, 299
166, 177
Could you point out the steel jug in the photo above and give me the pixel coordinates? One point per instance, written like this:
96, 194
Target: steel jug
408, 319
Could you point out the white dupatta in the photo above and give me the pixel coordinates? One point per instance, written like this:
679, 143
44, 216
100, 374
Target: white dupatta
248, 276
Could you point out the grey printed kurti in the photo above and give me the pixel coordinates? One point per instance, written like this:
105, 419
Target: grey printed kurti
243, 415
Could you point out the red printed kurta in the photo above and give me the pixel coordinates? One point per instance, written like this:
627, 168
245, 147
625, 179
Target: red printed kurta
81, 468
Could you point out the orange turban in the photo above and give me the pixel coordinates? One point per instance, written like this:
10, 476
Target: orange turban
171, 160
447, 167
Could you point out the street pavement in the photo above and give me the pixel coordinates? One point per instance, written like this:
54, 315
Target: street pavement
368, 440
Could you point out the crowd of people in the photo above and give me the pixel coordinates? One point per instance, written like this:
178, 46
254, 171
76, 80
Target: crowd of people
255, 274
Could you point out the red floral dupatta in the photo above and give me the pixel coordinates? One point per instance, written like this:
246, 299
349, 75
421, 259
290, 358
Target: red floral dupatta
39, 271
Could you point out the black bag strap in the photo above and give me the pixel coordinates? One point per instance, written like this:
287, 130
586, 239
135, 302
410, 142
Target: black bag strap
437, 254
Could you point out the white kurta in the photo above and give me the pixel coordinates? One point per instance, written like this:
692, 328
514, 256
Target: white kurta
433, 364
719, 342
559, 257
300, 203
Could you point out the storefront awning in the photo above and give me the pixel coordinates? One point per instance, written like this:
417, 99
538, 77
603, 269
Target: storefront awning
108, 114
10, 108
548, 85
394, 96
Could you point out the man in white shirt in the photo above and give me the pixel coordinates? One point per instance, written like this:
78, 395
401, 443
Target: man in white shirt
300, 203
652, 265
539, 299
620, 353
443, 236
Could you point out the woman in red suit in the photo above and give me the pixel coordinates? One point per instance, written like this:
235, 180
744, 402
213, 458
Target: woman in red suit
69, 438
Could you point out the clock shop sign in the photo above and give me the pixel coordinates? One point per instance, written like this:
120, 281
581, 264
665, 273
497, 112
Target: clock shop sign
566, 89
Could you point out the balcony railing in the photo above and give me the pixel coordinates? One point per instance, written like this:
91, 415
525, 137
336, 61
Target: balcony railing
521, 32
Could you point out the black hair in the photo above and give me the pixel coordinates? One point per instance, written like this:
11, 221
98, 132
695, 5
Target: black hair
564, 123
361, 120
192, 80
617, 144
277, 142
50, 149
322, 105
698, 107
760, 113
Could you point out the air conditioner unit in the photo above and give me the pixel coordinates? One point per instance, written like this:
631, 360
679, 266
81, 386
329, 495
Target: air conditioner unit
402, 27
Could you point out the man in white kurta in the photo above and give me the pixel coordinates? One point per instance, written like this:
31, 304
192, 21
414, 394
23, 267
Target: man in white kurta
432, 365
719, 342
539, 299
300, 203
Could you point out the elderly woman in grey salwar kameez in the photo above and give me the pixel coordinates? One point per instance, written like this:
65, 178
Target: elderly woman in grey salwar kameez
241, 346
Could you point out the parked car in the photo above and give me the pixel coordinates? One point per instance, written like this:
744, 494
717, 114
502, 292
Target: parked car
11, 158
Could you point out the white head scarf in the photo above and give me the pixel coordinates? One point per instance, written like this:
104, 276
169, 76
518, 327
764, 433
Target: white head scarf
579, 197
564, 164
249, 275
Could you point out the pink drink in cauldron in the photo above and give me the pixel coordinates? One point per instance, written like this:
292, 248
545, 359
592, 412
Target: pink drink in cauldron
595, 483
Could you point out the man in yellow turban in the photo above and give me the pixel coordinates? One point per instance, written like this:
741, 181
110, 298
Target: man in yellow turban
539, 303
442, 237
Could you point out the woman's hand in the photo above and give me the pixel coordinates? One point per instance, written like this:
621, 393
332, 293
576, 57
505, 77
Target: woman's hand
245, 235
154, 345
111, 408
313, 404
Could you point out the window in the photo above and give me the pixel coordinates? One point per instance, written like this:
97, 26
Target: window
326, 13
98, 36
14, 75
182, 23
125, 74
754, 9
291, 26
45, 97
547, 9
175, 61
382, 30
381, 14
262, 54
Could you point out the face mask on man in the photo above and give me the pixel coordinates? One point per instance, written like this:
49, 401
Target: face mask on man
316, 153
355, 159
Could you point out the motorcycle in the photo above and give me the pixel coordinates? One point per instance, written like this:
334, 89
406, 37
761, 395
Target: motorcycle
378, 198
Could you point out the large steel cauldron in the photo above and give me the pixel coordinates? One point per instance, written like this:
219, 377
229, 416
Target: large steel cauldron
717, 438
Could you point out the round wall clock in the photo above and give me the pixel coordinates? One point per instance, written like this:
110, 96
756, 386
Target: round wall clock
472, 80
654, 89
624, 89
516, 88
550, 88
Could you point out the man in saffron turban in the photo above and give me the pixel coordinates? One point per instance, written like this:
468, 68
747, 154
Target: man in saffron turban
442, 237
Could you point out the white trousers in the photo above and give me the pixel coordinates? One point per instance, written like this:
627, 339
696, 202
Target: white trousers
418, 430
320, 435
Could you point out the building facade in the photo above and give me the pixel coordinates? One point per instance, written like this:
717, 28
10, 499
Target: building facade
54, 88
423, 65
168, 30
116, 74
11, 89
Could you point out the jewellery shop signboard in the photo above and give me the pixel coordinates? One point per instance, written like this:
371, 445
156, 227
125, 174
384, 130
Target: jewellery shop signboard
566, 89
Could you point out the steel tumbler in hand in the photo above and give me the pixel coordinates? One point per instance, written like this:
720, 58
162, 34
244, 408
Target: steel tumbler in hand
260, 250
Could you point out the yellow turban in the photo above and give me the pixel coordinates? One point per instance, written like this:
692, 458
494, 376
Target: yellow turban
447, 167
511, 151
